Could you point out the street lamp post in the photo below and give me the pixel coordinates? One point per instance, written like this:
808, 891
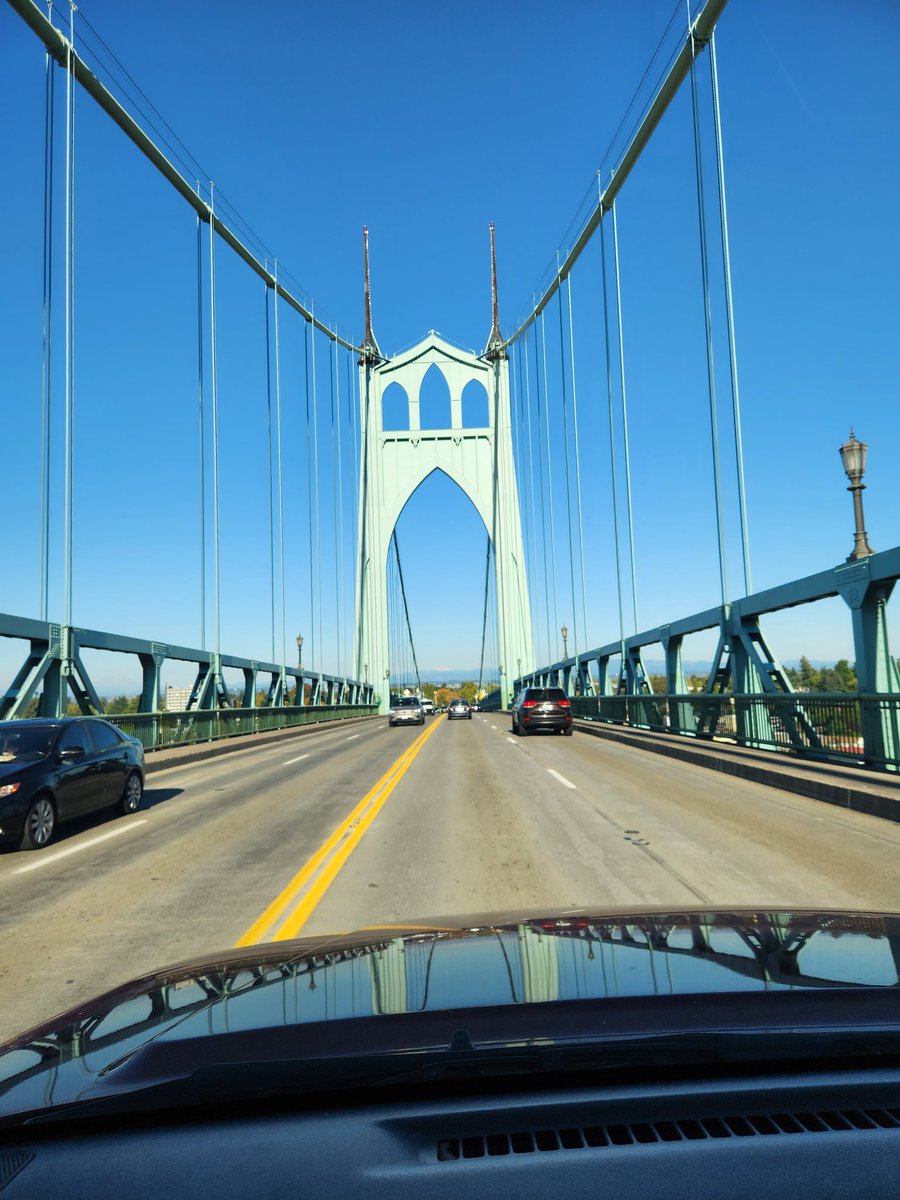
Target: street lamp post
300, 696
565, 633
853, 457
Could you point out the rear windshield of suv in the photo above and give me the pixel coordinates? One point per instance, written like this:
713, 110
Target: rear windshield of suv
545, 694
408, 702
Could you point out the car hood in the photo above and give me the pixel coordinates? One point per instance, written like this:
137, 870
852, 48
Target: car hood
510, 979
8, 769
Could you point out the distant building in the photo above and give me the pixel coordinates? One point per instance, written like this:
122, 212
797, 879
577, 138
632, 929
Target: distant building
177, 698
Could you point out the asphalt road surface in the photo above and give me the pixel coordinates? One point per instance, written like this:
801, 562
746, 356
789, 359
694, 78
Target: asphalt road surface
338, 829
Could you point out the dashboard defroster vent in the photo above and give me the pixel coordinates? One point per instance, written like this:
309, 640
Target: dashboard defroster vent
493, 1145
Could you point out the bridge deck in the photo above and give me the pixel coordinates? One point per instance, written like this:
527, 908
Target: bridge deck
478, 821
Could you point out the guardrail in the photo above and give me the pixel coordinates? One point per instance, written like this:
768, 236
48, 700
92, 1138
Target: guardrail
822, 726
158, 730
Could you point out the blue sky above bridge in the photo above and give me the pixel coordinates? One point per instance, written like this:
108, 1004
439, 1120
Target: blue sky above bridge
315, 119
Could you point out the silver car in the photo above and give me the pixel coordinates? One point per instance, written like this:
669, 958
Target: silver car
406, 710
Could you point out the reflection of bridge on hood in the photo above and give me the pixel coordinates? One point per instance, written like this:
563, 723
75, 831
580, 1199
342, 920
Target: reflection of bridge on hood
772, 942
573, 958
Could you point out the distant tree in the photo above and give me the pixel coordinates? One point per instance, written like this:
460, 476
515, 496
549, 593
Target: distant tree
468, 690
829, 680
846, 675
809, 676
657, 683
793, 676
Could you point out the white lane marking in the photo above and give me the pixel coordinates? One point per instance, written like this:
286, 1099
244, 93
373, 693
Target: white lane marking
562, 779
512, 741
103, 837
352, 736
293, 760
493, 727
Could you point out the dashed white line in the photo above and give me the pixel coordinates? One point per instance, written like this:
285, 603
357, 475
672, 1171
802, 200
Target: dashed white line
103, 837
352, 736
293, 760
562, 779
512, 741
493, 727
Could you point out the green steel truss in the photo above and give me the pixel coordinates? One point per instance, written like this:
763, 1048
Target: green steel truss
53, 671
744, 664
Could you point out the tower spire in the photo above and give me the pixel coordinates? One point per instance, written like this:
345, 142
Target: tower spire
495, 341
369, 351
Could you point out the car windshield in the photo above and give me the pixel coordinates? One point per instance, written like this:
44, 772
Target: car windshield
26, 743
462, 579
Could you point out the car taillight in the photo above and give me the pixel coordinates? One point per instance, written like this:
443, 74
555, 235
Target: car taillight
529, 703
564, 704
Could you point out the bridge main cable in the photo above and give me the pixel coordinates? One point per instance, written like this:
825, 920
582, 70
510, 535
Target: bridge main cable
63, 51
697, 38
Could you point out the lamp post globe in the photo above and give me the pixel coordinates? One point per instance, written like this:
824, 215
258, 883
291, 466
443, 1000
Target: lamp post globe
853, 458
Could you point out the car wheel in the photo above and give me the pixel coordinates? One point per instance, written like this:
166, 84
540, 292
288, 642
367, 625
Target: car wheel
568, 731
40, 824
130, 800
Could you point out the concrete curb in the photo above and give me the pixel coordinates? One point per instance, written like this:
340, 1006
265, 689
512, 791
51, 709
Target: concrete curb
830, 791
176, 756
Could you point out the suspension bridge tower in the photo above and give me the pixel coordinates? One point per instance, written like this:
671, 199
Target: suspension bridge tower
393, 463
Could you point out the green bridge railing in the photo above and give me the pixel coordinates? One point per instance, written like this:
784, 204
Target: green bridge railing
823, 726
159, 730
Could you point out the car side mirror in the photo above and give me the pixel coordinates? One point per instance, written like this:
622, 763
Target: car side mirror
70, 752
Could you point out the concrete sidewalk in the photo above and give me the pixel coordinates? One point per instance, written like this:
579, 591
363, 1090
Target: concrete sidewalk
174, 756
856, 788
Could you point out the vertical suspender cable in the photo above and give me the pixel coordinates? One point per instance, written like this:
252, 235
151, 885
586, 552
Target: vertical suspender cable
634, 608
352, 425
342, 626
70, 312
565, 409
315, 412
335, 490
577, 467
269, 465
46, 372
487, 577
612, 450
215, 420
412, 647
540, 442
729, 308
309, 505
201, 430
497, 532
707, 308
279, 444
553, 656
531, 665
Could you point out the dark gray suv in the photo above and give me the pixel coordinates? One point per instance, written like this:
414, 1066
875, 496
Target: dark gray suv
542, 708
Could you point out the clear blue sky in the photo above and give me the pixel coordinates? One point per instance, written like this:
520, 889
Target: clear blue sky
426, 123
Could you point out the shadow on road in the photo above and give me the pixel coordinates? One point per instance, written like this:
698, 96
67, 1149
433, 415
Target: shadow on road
99, 820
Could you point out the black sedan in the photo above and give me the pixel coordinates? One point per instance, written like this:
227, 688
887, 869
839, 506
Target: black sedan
53, 770
459, 708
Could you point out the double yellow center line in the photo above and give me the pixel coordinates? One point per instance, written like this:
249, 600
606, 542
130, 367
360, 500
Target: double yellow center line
289, 911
